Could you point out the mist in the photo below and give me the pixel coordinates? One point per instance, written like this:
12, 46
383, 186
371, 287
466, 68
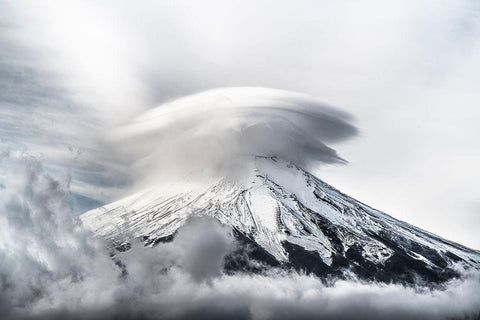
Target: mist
52, 268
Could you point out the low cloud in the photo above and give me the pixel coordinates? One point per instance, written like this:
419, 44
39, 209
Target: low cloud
50, 268
42, 247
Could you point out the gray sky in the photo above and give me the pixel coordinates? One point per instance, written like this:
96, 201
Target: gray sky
408, 71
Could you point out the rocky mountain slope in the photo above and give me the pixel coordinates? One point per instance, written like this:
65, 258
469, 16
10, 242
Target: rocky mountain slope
286, 217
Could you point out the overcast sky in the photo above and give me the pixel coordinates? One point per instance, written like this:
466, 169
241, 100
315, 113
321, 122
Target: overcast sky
408, 72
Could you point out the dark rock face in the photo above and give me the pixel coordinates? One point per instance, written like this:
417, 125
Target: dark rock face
248, 256
398, 268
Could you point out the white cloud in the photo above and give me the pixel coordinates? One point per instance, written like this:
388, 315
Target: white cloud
217, 133
52, 269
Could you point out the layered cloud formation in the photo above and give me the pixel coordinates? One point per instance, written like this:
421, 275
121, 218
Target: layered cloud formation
218, 131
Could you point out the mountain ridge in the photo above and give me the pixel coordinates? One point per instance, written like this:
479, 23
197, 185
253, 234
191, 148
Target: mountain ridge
295, 218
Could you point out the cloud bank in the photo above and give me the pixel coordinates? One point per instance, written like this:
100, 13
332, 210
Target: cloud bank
50, 268
218, 131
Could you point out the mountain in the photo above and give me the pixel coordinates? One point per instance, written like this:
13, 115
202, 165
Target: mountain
285, 217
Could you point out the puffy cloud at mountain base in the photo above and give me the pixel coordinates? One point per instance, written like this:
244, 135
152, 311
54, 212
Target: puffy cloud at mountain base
50, 268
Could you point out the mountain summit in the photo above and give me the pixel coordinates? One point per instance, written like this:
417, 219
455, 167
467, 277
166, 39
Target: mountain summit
284, 216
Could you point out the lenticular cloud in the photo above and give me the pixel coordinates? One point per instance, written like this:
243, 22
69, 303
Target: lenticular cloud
217, 130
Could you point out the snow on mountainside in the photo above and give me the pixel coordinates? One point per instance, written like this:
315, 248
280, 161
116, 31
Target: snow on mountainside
294, 217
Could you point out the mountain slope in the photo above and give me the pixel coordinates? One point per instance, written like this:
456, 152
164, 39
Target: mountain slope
296, 220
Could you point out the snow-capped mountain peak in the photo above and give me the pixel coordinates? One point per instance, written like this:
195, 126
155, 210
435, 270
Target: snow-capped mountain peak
284, 209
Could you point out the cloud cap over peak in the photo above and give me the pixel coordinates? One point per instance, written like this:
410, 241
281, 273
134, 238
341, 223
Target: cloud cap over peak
219, 128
